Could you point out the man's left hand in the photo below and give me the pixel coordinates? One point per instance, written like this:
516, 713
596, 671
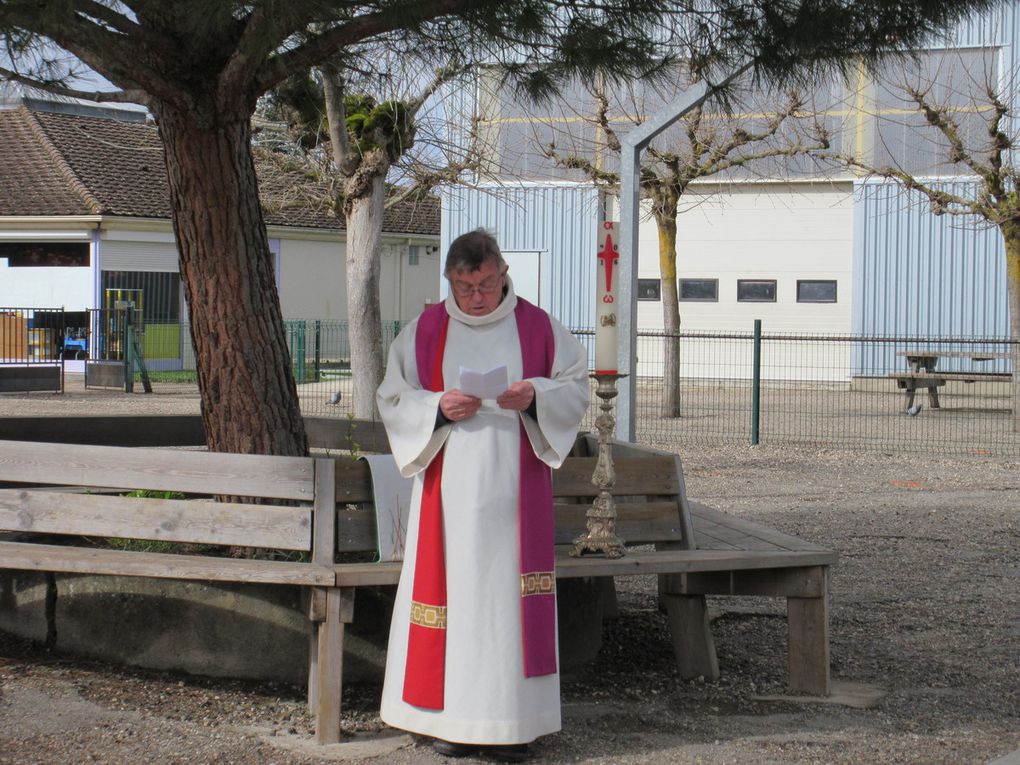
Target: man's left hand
518, 396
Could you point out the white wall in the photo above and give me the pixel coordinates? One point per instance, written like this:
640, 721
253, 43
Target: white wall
312, 282
44, 287
70, 288
405, 288
783, 232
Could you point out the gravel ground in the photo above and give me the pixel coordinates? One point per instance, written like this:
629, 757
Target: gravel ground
925, 604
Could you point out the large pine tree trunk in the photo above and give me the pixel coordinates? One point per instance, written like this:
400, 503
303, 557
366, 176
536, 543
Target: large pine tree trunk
665, 221
249, 399
364, 229
1011, 237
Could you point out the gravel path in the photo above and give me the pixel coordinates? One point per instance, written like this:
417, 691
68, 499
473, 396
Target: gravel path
925, 604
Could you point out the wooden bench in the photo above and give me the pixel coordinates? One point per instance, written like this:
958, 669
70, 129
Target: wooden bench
281, 503
321, 507
911, 382
696, 550
924, 375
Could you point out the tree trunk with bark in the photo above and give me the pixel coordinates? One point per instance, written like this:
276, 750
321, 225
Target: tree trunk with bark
1011, 238
364, 226
665, 212
248, 395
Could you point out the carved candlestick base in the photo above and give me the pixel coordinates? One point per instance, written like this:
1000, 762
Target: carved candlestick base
601, 535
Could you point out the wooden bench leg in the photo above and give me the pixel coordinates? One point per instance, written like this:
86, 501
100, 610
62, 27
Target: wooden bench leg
911, 391
692, 636
335, 606
808, 620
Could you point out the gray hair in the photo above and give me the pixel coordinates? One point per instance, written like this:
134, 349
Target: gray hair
469, 251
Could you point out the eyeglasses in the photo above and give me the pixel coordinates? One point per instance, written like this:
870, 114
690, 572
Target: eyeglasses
486, 287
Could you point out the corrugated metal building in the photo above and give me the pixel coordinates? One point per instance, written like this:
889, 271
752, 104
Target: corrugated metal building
884, 265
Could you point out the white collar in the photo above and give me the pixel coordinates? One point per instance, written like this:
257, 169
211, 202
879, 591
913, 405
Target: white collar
504, 309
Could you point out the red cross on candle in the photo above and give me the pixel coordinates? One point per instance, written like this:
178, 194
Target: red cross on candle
608, 254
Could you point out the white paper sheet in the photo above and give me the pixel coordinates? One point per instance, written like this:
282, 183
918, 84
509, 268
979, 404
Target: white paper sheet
489, 384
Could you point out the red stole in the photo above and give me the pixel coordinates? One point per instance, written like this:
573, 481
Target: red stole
424, 674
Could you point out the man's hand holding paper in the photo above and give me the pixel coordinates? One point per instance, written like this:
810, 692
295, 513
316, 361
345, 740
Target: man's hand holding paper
490, 384
517, 397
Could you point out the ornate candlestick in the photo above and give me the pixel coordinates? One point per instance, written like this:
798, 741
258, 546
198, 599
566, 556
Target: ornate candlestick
601, 516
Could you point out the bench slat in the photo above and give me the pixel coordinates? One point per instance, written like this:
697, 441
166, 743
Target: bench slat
637, 523
76, 560
632, 564
703, 514
353, 481
634, 476
964, 376
247, 475
169, 520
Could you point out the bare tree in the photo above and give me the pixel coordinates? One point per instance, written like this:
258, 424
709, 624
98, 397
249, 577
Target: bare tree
976, 135
708, 143
361, 132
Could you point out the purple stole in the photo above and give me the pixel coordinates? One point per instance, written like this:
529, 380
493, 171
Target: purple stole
426, 650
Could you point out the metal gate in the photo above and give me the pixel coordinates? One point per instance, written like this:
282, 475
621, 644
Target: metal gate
32, 342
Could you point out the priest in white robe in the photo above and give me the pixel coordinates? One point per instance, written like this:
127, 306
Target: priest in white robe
472, 659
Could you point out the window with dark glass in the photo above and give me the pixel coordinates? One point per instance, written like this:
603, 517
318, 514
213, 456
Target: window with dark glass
45, 254
693, 290
816, 290
756, 290
649, 289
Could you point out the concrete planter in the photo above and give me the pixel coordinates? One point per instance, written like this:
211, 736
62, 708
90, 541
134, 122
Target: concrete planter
232, 630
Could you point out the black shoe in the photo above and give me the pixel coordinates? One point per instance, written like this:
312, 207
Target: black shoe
507, 752
451, 749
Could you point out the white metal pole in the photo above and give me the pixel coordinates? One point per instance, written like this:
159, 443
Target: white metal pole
631, 147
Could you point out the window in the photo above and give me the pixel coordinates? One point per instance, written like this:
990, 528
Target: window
413, 253
649, 289
703, 290
156, 294
756, 290
816, 290
52, 254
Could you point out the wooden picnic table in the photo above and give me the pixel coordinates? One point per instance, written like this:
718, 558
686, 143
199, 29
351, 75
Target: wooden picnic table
923, 373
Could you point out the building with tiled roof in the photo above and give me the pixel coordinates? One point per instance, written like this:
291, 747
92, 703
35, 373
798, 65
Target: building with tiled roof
85, 211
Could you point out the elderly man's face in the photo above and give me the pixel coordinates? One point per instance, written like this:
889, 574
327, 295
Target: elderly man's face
479, 292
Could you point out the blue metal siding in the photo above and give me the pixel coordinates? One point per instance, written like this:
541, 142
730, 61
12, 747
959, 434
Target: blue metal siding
980, 30
560, 220
919, 274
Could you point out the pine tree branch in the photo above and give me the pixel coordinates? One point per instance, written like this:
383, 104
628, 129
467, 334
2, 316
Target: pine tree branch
391, 18
98, 96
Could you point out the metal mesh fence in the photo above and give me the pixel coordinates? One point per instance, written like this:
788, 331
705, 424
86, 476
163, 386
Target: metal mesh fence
831, 391
824, 391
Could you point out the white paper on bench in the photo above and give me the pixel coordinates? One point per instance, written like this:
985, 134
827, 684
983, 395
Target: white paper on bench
392, 493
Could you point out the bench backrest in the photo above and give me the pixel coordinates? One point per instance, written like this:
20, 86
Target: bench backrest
271, 507
651, 500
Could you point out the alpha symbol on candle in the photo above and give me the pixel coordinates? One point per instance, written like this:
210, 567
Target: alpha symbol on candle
608, 255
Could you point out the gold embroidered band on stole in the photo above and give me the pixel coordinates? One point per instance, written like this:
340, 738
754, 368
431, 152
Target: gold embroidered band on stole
538, 583
424, 615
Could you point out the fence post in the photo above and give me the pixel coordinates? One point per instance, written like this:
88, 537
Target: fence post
318, 349
756, 384
128, 354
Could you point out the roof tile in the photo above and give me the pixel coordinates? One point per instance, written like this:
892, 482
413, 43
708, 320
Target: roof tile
66, 164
